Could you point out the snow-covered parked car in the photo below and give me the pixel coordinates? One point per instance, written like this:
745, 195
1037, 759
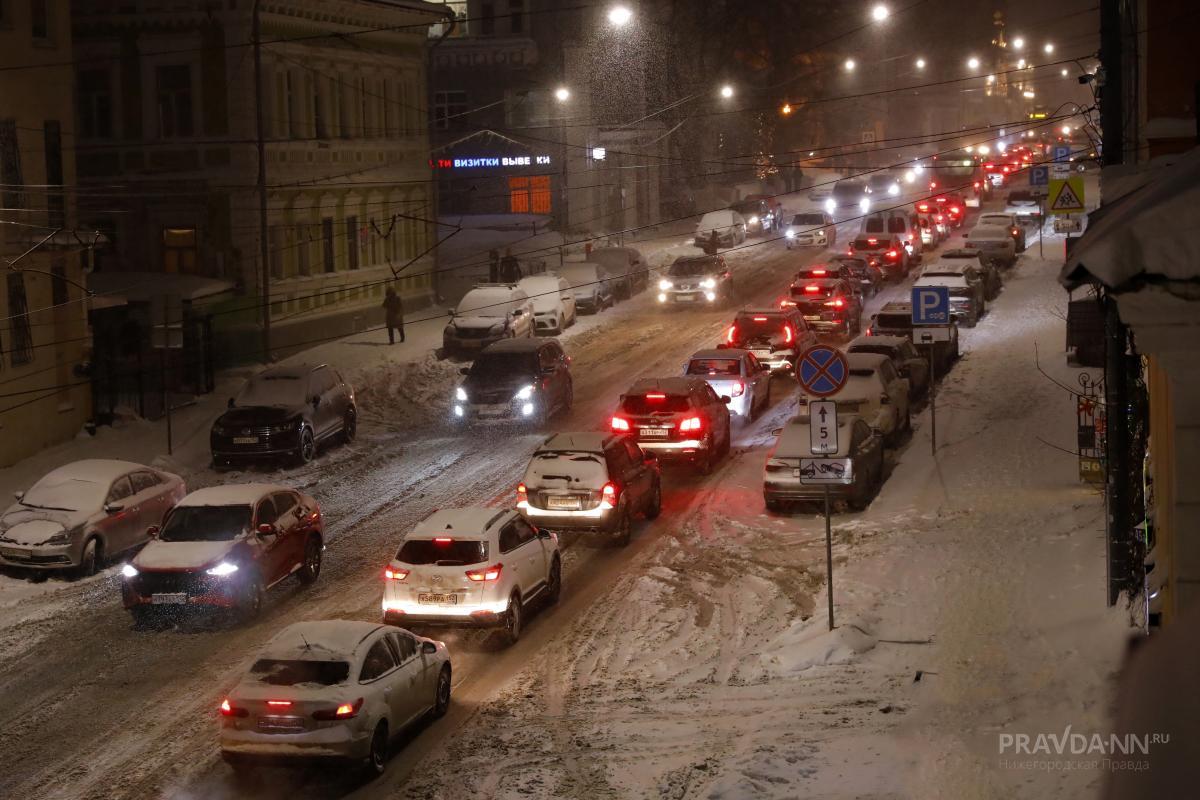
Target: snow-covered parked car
553, 302
222, 547
874, 391
909, 361
488, 313
593, 286
857, 441
728, 224
626, 265
993, 242
333, 691
83, 513
473, 567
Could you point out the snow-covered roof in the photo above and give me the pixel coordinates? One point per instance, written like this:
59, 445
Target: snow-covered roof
719, 352
1146, 232
589, 442
524, 345
882, 341
96, 470
466, 520
953, 281
795, 442
869, 361
152, 286
676, 386
234, 494
989, 232
324, 640
490, 301
721, 217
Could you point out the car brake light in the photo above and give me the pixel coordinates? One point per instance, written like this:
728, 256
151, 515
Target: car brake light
656, 397
491, 573
1015, 231
344, 711
811, 289
872, 241
609, 492
732, 334
891, 254
955, 210
738, 389
923, 207
619, 424
395, 573
788, 336
443, 540
819, 272
690, 424
230, 710
836, 302
760, 319
279, 703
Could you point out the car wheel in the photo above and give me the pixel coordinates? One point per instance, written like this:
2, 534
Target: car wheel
554, 582
562, 325
774, 506
378, 754
311, 568
569, 400
624, 532
704, 463
250, 604
307, 450
654, 507
513, 619
441, 695
349, 426
90, 559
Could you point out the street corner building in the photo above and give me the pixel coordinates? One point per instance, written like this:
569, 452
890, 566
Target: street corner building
44, 338
176, 104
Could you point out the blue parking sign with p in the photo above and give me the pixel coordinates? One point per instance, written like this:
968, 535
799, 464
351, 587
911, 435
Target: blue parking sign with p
1039, 176
1061, 152
931, 305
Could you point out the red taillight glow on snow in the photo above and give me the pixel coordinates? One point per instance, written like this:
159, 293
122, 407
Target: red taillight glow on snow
619, 424
491, 573
691, 424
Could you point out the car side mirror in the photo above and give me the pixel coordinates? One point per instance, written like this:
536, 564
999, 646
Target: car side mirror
544, 534
229, 404
449, 312
726, 399
429, 648
152, 531
464, 371
113, 508
266, 529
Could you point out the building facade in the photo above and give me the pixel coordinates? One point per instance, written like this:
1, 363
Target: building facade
44, 335
168, 148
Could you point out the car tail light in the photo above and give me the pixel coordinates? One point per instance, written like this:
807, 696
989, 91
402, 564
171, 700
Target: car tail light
443, 540
819, 272
923, 207
395, 573
836, 302
619, 424
869, 332
279, 703
892, 254
786, 303
738, 389
491, 573
788, 336
731, 336
691, 424
522, 493
760, 319
609, 492
1015, 231
933, 184
955, 210
228, 709
872, 241
655, 396
344, 711
811, 289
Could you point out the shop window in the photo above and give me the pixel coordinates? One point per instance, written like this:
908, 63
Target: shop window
529, 195
179, 250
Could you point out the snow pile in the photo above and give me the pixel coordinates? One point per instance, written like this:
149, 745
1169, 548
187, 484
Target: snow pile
809, 643
408, 394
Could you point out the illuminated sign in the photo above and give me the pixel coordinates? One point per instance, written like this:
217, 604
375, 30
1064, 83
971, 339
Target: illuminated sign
489, 161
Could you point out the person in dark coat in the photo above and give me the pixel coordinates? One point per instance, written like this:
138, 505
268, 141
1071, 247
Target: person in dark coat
393, 312
493, 266
713, 243
510, 268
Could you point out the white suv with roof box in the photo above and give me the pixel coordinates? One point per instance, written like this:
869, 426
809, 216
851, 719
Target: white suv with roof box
471, 567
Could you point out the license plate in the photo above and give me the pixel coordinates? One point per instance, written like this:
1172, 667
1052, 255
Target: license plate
685, 298
168, 599
281, 724
245, 440
438, 599
796, 472
653, 433
566, 503
10, 553
812, 318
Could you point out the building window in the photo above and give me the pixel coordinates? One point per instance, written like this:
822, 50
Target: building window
56, 202
179, 250
364, 101
327, 244
95, 104
58, 283
529, 195
319, 122
352, 236
446, 107
278, 244
487, 22
336, 110
18, 312
517, 19
292, 119
385, 107
39, 19
175, 101
10, 165
303, 250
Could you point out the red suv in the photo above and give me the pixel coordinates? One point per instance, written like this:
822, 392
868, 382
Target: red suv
828, 305
676, 418
222, 547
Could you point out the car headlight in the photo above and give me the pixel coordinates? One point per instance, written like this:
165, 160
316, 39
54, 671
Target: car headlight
223, 569
664, 285
284, 428
791, 234
830, 205
893, 190
62, 537
708, 283
129, 571
864, 205
753, 220
821, 232
525, 393
497, 328
460, 394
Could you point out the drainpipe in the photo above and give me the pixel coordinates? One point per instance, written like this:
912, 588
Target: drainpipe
450, 28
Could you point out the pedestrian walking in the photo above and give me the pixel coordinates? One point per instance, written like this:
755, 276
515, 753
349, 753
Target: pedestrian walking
493, 266
510, 268
393, 312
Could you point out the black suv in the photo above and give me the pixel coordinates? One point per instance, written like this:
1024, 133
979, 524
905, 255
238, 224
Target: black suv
515, 380
285, 412
895, 319
777, 337
676, 418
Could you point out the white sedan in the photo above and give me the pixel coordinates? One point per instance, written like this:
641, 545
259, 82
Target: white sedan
333, 691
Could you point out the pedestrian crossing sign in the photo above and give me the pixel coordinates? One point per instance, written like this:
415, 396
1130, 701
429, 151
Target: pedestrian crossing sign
1066, 196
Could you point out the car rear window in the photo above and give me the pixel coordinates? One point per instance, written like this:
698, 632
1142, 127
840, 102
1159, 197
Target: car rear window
896, 225
873, 225
747, 329
867, 244
714, 366
281, 672
449, 552
878, 349
899, 321
689, 268
652, 402
861, 373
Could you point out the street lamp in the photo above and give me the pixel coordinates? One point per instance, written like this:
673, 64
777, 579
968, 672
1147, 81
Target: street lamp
1049, 48
1021, 63
1018, 43
983, 149
879, 13
787, 109
619, 16
562, 94
727, 91
849, 65
973, 62
920, 63
1066, 129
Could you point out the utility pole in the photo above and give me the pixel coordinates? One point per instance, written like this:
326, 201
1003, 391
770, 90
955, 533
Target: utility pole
264, 253
1112, 91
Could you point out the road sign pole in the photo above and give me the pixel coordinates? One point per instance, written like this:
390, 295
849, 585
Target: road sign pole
932, 404
828, 558
1041, 226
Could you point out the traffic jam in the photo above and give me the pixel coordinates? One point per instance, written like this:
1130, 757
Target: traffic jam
863, 306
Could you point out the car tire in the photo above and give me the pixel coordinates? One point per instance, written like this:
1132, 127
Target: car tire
513, 620
554, 582
704, 465
251, 602
377, 756
441, 693
310, 570
349, 426
91, 558
569, 400
773, 506
624, 532
307, 450
654, 507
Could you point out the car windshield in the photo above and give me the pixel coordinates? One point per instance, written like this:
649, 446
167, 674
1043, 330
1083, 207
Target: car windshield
714, 367
206, 524
895, 321
273, 390
848, 190
746, 208
808, 219
616, 260
61, 493
691, 267
581, 276
489, 366
290, 672
652, 402
443, 552
485, 303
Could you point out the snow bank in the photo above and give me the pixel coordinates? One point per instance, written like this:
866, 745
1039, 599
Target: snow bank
809, 643
409, 394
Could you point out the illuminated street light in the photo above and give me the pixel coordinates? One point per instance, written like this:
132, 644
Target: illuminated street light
1028, 94
787, 109
727, 91
973, 62
1018, 43
1064, 72
920, 63
849, 65
879, 13
562, 94
983, 149
991, 78
970, 148
1066, 129
1021, 63
619, 16
1048, 49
